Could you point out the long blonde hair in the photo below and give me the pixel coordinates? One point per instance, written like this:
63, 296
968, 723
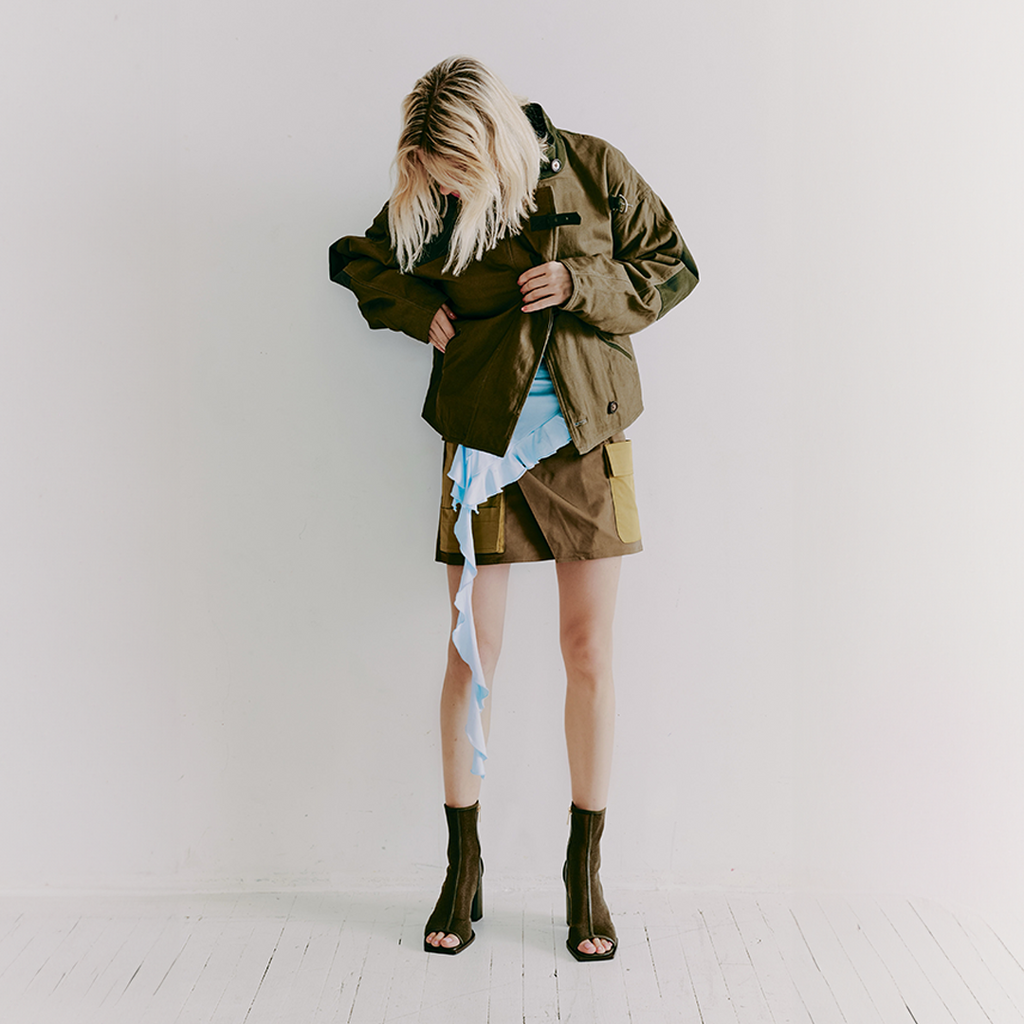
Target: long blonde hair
465, 131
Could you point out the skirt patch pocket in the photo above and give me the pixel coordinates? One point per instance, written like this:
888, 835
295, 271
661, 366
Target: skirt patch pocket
618, 458
488, 522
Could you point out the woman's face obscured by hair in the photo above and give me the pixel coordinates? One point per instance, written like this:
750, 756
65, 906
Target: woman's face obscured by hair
449, 176
464, 135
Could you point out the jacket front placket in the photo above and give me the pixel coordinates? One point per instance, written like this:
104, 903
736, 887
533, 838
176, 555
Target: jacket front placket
544, 243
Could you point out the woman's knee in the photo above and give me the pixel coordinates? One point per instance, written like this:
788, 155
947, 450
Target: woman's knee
586, 650
489, 650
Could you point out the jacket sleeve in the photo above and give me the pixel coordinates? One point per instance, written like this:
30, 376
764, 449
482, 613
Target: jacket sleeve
648, 272
387, 297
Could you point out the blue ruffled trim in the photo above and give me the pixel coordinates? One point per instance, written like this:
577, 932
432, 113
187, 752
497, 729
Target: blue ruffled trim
476, 476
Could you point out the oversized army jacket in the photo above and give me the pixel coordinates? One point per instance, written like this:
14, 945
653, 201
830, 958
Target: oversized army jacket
629, 266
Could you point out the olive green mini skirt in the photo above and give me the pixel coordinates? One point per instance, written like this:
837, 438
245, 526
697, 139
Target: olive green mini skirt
569, 508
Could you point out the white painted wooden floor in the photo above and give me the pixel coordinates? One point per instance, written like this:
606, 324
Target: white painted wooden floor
357, 958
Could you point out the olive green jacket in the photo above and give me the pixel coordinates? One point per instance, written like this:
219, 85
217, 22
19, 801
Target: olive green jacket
629, 266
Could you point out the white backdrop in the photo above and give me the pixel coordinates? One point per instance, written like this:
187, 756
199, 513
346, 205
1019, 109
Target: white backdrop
222, 628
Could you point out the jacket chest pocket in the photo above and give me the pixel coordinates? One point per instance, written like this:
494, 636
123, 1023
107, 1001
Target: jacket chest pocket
593, 237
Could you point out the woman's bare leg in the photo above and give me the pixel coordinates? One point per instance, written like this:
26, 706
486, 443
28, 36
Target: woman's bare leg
587, 592
461, 787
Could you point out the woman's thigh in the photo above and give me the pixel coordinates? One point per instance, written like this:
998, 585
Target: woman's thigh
490, 591
586, 600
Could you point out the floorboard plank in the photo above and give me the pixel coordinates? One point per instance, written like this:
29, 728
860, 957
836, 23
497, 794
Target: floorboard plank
218, 969
1008, 921
741, 980
963, 1007
714, 1005
268, 915
110, 999
276, 998
405, 996
74, 989
641, 982
186, 949
807, 977
675, 986
917, 992
150, 954
455, 987
323, 918
13, 937
870, 959
846, 984
33, 948
965, 958
61, 985
1006, 968
542, 911
12, 913
341, 981
381, 963
781, 994
501, 936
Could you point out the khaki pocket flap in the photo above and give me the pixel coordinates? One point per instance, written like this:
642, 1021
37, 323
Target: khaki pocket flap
619, 456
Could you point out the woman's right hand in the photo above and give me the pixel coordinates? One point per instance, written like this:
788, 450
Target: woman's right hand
441, 330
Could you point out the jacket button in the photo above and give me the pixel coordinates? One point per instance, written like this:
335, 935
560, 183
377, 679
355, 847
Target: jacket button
556, 165
612, 406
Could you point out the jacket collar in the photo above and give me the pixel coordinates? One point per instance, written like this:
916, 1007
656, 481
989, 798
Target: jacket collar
555, 150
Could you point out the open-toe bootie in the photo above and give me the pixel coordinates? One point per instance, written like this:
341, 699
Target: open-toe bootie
586, 912
462, 895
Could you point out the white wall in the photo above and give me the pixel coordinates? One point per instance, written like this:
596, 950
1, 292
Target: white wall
223, 631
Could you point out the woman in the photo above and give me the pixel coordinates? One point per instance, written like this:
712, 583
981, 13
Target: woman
525, 256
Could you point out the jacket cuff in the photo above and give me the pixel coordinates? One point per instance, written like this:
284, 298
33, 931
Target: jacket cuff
577, 298
604, 296
420, 321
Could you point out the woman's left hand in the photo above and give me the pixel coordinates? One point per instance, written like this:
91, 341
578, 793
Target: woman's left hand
550, 284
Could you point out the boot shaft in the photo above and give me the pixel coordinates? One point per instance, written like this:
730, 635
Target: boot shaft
586, 829
463, 838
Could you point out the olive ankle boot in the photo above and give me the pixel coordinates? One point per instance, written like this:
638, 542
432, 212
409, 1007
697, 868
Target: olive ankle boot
462, 895
586, 912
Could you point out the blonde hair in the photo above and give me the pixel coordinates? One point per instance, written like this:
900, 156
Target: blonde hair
463, 130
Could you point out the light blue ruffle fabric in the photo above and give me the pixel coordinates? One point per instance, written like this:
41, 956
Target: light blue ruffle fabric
476, 476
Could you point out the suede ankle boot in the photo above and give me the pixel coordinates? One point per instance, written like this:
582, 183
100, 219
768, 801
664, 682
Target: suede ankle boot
462, 895
586, 912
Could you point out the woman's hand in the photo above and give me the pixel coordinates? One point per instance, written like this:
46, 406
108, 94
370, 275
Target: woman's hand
550, 284
441, 330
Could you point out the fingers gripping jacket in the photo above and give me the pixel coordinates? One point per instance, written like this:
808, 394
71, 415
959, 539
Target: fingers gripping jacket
586, 912
462, 898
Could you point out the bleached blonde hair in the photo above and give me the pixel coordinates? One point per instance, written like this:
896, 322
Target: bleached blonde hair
463, 130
